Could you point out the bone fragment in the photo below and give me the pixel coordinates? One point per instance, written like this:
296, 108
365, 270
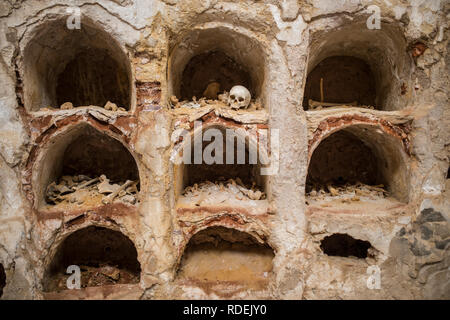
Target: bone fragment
111, 197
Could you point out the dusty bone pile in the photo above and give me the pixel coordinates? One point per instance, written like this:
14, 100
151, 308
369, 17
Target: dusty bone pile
95, 277
349, 192
221, 101
69, 105
231, 189
82, 189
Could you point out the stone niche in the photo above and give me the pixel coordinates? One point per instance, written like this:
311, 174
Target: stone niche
219, 254
83, 66
75, 158
359, 155
357, 65
215, 54
244, 171
105, 257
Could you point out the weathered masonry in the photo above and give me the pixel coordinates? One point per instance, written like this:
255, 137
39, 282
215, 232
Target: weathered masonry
101, 103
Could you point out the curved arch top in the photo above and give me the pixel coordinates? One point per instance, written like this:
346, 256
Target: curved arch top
50, 162
384, 50
85, 66
387, 146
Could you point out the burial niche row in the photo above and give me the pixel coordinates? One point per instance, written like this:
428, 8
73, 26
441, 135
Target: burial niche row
219, 254
75, 67
85, 167
104, 256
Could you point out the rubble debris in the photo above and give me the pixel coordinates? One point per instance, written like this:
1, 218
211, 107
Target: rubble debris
233, 187
221, 104
95, 276
81, 189
347, 192
69, 105
114, 194
175, 102
111, 106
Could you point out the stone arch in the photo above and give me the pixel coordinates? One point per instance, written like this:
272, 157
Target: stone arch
85, 66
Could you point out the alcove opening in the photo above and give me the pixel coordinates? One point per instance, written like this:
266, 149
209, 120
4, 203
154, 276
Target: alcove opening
84, 166
369, 66
219, 254
341, 79
358, 162
83, 66
205, 56
2, 279
343, 245
105, 257
238, 176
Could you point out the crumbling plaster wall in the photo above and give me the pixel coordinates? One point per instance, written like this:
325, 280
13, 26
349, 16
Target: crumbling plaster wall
147, 32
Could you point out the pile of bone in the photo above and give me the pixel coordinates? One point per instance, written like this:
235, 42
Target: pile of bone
234, 187
94, 277
238, 98
354, 191
69, 105
78, 189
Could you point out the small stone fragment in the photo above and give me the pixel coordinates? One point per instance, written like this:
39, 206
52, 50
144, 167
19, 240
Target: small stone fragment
67, 106
110, 106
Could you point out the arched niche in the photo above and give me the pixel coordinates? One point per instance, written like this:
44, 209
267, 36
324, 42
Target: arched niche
82, 150
221, 254
216, 54
248, 158
360, 153
104, 256
83, 66
355, 63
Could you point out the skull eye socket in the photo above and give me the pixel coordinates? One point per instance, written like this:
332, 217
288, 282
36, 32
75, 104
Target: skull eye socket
232, 96
241, 99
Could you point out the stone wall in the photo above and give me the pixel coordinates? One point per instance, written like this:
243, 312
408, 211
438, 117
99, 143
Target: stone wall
116, 85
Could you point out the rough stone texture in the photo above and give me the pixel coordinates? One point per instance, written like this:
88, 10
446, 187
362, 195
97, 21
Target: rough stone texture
275, 44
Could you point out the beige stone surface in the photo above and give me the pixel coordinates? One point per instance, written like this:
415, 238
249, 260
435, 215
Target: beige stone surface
145, 47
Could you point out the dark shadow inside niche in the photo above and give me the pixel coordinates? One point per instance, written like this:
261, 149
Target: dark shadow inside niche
343, 245
224, 254
93, 154
105, 257
448, 173
345, 79
2, 279
93, 78
83, 66
342, 159
245, 167
214, 66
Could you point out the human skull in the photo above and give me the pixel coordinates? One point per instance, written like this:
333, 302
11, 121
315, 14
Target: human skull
239, 97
